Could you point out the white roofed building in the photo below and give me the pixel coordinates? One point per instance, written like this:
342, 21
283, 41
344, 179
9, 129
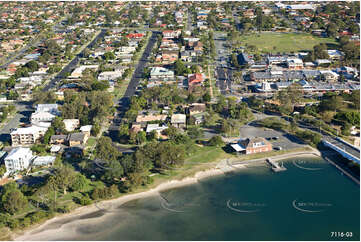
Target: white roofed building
27, 136
41, 117
294, 64
44, 161
18, 159
71, 124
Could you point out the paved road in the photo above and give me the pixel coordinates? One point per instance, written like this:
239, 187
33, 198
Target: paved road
20, 53
189, 24
71, 65
123, 103
348, 148
24, 110
221, 62
33, 43
139, 70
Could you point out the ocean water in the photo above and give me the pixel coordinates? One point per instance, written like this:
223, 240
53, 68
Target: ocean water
309, 201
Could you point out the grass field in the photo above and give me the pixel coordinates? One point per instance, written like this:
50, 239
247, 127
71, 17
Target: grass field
284, 42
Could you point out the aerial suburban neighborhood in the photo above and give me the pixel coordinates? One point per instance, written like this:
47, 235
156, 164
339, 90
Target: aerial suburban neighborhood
101, 99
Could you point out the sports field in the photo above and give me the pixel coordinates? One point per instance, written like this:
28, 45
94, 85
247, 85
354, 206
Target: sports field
284, 42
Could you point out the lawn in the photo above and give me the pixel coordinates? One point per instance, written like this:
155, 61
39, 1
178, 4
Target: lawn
285, 42
91, 141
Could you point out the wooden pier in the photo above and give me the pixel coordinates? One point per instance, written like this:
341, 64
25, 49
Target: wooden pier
275, 166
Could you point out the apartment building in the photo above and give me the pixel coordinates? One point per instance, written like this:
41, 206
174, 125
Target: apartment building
18, 159
27, 136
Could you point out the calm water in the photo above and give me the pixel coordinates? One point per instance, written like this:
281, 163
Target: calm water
307, 202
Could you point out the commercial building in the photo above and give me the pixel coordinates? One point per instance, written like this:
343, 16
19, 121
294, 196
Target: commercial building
252, 146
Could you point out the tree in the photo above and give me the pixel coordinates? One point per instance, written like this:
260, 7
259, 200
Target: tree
32, 66
109, 56
320, 51
105, 150
170, 155
63, 178
12, 199
80, 183
44, 97
141, 137
259, 18
216, 141
180, 68
48, 134
58, 125
113, 171
195, 133
355, 98
12, 95
2, 170
234, 60
333, 103
171, 132
332, 30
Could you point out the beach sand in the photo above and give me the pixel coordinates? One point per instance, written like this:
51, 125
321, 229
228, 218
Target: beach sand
62, 225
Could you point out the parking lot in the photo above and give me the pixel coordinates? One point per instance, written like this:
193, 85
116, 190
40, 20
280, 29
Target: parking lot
284, 140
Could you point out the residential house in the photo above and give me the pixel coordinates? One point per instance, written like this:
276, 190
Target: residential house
187, 55
44, 161
77, 139
136, 128
59, 139
169, 56
135, 35
110, 75
71, 124
195, 79
150, 117
161, 73
41, 117
18, 159
335, 54
178, 120
157, 128
198, 47
52, 108
196, 108
252, 145
171, 33
86, 129
249, 13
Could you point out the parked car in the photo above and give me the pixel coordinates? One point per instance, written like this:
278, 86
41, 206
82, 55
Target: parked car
278, 148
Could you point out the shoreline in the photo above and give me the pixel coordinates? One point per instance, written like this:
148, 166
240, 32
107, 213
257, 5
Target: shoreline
84, 210
170, 184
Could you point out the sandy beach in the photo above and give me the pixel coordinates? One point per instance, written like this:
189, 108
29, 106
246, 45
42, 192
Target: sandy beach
63, 224
38, 233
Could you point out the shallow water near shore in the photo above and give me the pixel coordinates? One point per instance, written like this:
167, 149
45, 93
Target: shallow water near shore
309, 201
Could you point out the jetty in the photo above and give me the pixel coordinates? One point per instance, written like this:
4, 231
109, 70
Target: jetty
275, 166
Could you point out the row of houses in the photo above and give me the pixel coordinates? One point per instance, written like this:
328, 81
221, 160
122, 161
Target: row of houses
150, 121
